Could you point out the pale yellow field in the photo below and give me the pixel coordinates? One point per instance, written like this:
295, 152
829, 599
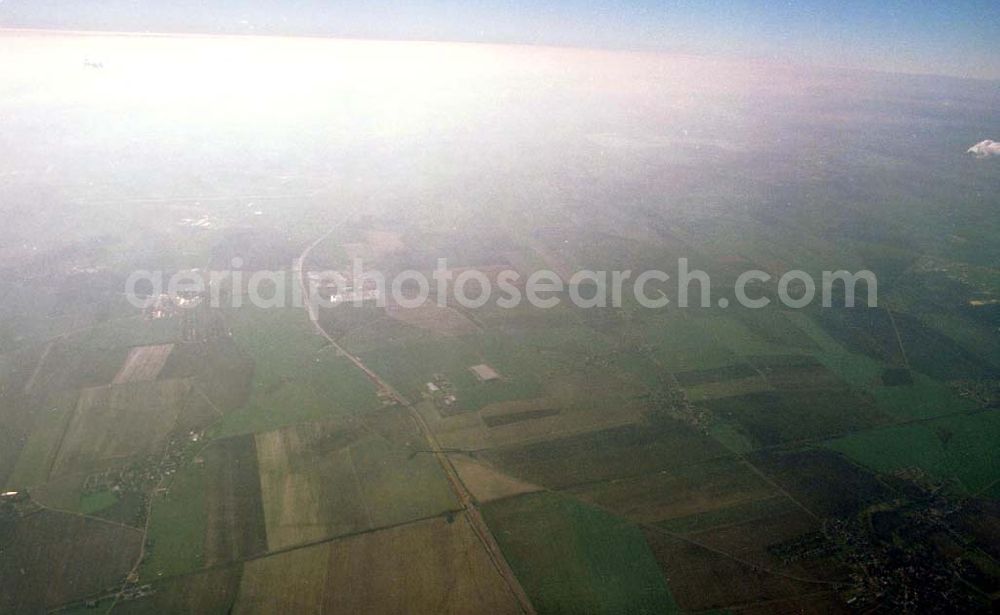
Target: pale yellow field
469, 432
143, 363
486, 482
328, 479
117, 421
433, 318
430, 566
306, 500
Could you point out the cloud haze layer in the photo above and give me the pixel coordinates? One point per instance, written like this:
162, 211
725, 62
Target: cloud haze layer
951, 38
985, 149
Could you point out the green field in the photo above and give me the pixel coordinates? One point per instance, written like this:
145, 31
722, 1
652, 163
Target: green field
322, 480
856, 369
95, 502
606, 454
924, 399
175, 544
412, 364
958, 448
398, 486
39, 453
133, 330
679, 342
572, 558
296, 378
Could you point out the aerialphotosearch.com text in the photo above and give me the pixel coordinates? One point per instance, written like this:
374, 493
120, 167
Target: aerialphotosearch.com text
506, 288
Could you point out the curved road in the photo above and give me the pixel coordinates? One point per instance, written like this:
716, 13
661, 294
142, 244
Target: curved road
472, 514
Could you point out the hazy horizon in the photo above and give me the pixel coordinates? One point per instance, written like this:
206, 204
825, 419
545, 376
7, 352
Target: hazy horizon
950, 40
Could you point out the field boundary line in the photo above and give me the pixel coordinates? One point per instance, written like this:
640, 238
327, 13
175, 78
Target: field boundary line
85, 516
38, 366
361, 488
899, 338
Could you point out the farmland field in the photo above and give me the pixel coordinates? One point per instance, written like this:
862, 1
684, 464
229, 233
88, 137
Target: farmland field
605, 454
118, 421
177, 526
37, 458
701, 579
824, 483
434, 565
51, 558
774, 418
234, 514
206, 592
688, 491
324, 480
959, 449
410, 366
573, 558
193, 418
144, 363
295, 378
223, 373
487, 483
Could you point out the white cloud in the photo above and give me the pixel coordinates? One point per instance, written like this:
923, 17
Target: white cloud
985, 149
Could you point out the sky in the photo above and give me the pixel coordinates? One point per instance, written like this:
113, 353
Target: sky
949, 37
